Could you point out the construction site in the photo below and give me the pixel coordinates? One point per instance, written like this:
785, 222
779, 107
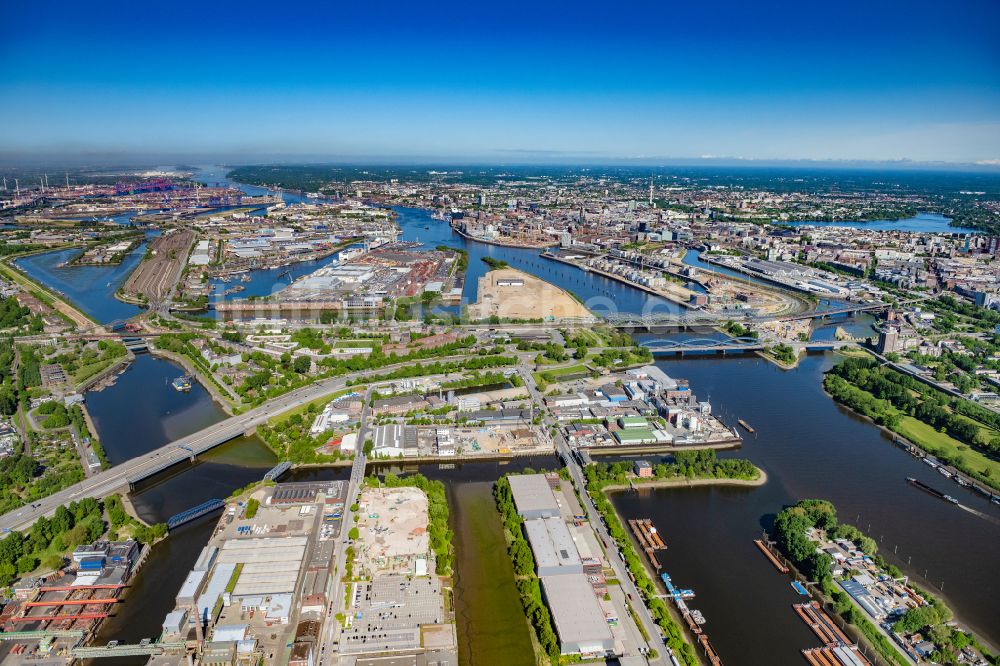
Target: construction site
398, 602
512, 294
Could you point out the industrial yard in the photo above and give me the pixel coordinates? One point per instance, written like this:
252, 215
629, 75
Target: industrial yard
154, 279
640, 409
261, 587
591, 616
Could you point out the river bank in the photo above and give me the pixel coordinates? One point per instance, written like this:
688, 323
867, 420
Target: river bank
50, 297
640, 484
917, 433
226, 402
488, 241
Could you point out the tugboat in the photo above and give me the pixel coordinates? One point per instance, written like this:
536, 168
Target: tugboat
182, 383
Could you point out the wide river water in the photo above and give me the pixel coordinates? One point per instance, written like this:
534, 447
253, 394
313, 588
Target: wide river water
808, 445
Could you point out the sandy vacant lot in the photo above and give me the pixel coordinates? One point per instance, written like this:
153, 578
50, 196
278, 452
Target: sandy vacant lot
517, 295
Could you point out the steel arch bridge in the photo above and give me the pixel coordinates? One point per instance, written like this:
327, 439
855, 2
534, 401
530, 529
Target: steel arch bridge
670, 345
670, 319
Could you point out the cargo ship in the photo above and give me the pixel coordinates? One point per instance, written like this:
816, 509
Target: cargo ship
182, 383
932, 491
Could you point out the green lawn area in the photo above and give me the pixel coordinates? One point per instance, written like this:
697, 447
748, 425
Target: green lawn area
319, 402
547, 376
590, 337
939, 443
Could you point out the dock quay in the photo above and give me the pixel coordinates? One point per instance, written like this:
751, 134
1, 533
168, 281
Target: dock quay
692, 618
835, 656
65, 609
649, 540
769, 554
821, 624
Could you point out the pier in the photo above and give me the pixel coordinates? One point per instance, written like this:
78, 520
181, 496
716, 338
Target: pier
771, 557
692, 618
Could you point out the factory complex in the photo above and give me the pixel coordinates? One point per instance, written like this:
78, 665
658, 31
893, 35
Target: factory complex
261, 587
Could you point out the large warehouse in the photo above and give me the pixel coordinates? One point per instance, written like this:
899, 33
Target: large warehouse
532, 496
578, 617
270, 565
553, 546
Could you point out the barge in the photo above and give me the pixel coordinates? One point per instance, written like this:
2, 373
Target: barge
931, 491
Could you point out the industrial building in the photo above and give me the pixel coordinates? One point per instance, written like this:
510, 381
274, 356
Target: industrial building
577, 615
555, 552
533, 496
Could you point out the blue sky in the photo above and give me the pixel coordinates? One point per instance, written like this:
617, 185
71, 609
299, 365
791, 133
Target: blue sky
506, 81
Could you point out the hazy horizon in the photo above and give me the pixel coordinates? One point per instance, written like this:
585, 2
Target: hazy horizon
518, 82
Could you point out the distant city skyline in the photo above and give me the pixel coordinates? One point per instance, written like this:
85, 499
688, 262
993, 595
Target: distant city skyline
511, 83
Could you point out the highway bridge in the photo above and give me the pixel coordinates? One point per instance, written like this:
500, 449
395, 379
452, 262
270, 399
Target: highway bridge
121, 477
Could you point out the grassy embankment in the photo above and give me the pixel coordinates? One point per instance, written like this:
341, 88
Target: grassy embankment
903, 405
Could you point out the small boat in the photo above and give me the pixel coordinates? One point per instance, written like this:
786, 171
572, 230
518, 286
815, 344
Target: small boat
745, 425
182, 383
944, 472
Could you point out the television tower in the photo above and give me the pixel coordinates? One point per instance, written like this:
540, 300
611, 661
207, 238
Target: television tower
650, 190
